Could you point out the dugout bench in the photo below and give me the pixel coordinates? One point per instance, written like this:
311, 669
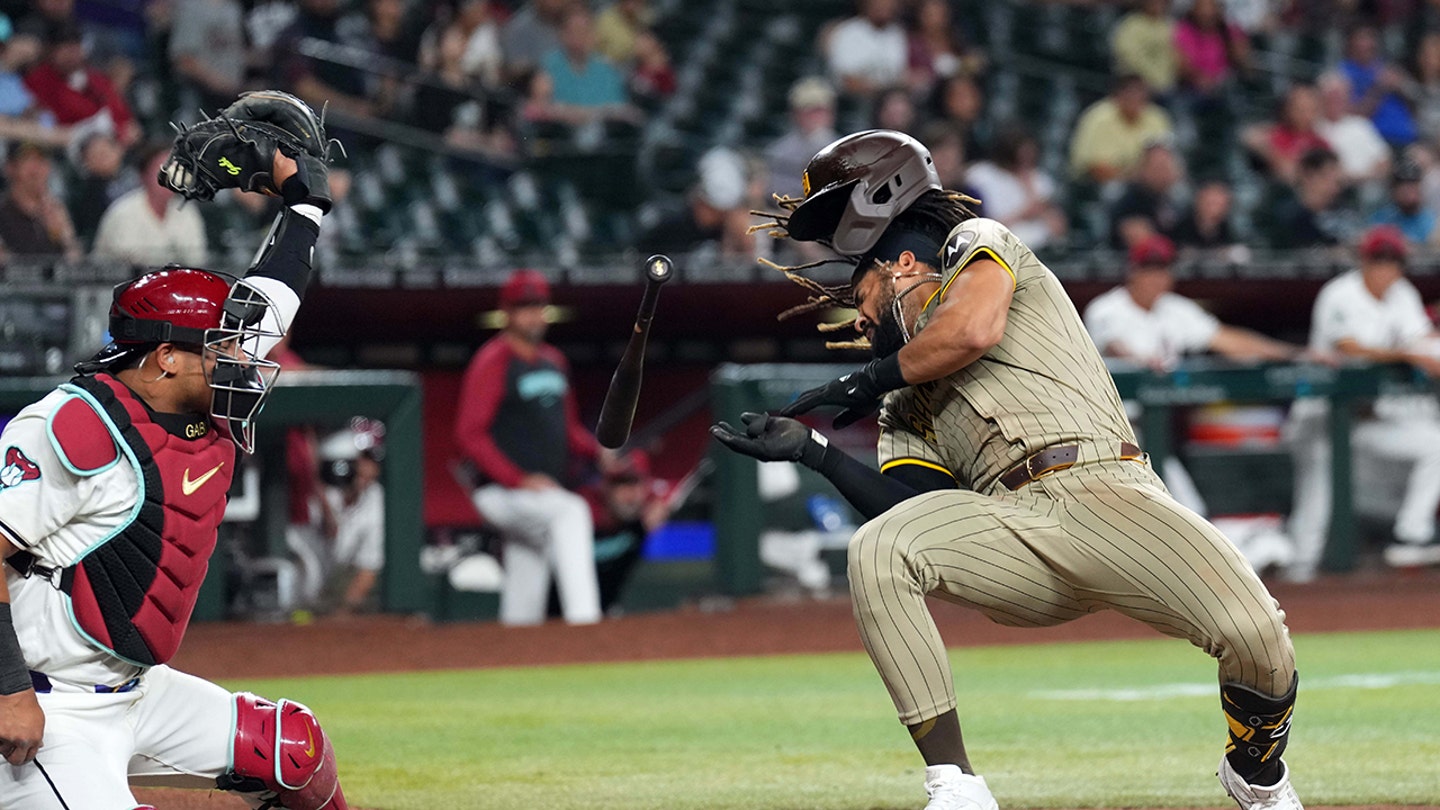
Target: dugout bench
325, 398
1202, 381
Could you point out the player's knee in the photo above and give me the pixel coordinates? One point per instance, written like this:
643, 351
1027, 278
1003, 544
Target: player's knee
873, 550
282, 754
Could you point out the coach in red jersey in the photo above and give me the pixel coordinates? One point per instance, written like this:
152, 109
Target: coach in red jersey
521, 429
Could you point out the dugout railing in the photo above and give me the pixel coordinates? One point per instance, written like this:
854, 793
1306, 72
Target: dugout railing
736, 388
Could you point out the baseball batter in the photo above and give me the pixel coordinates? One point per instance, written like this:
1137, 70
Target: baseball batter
112, 488
1009, 479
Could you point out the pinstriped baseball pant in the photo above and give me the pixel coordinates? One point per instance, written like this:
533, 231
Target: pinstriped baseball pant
1104, 535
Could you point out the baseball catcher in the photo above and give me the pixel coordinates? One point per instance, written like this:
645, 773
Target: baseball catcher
108, 526
1009, 477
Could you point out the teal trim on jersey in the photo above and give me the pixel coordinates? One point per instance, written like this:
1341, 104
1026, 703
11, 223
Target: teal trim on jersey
60, 453
134, 513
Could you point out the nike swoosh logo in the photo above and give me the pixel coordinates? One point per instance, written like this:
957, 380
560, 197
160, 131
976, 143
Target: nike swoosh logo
188, 487
310, 735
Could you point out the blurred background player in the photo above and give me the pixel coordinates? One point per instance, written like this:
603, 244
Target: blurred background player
519, 427
1372, 313
627, 506
350, 465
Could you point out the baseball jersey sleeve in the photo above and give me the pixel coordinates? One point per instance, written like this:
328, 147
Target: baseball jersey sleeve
907, 437
1191, 328
979, 238
38, 492
1412, 324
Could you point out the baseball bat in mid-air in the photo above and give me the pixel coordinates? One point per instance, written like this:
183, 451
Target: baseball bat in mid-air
618, 410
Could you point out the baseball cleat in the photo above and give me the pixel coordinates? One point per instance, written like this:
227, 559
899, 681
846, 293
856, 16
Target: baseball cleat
1412, 555
1279, 796
950, 788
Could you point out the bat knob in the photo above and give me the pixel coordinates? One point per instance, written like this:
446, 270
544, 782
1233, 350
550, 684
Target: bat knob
659, 268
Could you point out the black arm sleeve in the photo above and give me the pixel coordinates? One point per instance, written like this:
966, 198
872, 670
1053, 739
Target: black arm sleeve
872, 492
288, 251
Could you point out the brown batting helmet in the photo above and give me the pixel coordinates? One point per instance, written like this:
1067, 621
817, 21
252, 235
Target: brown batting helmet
857, 185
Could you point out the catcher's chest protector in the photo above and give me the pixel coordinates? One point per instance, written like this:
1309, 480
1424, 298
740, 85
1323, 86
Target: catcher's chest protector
132, 595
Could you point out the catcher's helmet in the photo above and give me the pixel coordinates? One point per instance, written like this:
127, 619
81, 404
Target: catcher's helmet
857, 185
226, 319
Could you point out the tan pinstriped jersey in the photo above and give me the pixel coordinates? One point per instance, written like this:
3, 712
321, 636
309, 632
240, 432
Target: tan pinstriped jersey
1044, 384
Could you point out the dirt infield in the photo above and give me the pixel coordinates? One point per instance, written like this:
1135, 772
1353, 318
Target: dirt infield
1365, 601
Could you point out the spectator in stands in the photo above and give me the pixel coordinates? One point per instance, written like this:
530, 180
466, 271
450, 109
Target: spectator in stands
1012, 188
466, 51
937, 49
1205, 228
104, 177
33, 222
1372, 314
652, 78
575, 85
1427, 86
151, 225
21, 118
1376, 87
207, 51
894, 110
1210, 51
321, 82
715, 214
959, 102
1143, 44
867, 53
519, 426
74, 92
626, 507
350, 466
1406, 209
1111, 134
1282, 143
45, 16
531, 33
1148, 205
812, 128
1364, 155
618, 28
1312, 214
383, 28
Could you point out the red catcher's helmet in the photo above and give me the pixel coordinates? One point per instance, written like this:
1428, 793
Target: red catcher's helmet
173, 305
857, 185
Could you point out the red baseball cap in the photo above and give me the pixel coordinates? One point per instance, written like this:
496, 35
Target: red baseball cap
1152, 251
524, 287
633, 466
1384, 242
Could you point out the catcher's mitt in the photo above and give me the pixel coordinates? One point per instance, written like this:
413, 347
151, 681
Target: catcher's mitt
236, 149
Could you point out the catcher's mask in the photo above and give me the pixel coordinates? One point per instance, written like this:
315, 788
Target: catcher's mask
222, 317
857, 185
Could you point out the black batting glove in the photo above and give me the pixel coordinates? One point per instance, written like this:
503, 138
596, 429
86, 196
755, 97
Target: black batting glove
857, 393
772, 438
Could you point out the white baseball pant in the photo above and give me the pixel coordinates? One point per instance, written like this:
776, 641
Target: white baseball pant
544, 530
1416, 441
173, 729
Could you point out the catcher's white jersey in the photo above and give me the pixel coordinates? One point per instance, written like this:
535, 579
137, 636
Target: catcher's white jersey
57, 515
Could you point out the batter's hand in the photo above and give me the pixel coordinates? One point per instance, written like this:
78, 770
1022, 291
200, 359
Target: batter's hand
771, 438
22, 726
857, 393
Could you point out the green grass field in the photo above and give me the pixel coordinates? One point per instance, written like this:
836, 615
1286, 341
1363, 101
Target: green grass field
1113, 724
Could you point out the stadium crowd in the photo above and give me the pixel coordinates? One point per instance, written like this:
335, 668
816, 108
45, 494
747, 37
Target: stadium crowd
1182, 144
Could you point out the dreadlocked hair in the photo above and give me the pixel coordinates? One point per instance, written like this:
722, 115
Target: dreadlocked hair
935, 214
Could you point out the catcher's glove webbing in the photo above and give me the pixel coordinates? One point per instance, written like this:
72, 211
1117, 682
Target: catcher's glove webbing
236, 149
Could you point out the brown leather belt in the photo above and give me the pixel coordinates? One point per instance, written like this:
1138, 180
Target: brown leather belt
1054, 459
